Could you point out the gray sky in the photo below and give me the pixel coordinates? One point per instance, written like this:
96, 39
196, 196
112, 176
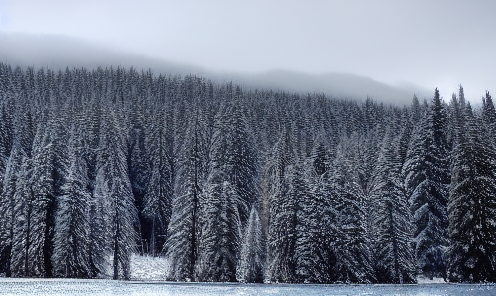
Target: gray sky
428, 43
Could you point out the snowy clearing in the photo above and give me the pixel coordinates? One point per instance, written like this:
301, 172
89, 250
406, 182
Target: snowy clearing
10, 286
149, 268
424, 280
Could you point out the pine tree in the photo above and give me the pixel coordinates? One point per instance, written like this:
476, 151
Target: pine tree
426, 171
350, 184
182, 243
113, 188
395, 260
158, 197
472, 206
71, 240
5, 142
239, 157
44, 202
281, 265
251, 259
21, 265
231, 176
7, 203
220, 236
316, 227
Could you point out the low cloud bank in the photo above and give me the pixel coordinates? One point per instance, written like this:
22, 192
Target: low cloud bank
59, 52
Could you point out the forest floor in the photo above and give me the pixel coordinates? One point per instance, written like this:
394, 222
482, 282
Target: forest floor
148, 268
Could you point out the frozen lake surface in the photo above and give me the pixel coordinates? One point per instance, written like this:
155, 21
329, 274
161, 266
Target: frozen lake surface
107, 287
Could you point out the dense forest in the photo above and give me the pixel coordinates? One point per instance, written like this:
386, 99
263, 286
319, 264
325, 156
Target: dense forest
235, 185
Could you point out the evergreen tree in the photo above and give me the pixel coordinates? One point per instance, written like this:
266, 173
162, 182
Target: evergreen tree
71, 240
426, 171
281, 241
158, 197
182, 244
350, 243
113, 188
395, 260
251, 259
7, 204
44, 200
472, 206
21, 265
316, 228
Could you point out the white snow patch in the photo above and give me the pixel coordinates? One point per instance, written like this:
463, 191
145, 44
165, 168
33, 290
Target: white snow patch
424, 280
148, 268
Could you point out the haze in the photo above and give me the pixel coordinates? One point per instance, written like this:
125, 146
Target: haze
408, 46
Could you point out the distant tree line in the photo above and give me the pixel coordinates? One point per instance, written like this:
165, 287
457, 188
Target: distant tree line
233, 185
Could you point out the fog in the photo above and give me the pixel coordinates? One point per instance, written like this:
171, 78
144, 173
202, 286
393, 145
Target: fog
303, 45
59, 52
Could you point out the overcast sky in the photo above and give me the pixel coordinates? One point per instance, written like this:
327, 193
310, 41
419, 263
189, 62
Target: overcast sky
429, 43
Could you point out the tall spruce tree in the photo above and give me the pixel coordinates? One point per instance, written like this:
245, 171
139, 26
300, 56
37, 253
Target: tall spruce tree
72, 225
7, 217
251, 257
157, 202
472, 205
395, 260
182, 242
351, 187
231, 176
281, 240
113, 188
427, 174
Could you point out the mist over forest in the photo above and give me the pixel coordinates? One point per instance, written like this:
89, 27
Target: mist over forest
58, 52
233, 184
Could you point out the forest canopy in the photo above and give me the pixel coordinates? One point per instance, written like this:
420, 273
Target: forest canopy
233, 185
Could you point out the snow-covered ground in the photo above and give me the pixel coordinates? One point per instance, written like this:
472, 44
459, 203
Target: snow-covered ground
147, 268
424, 280
149, 273
65, 287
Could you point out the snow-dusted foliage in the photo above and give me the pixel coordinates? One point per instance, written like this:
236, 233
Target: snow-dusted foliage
13, 169
395, 261
281, 240
72, 225
251, 261
352, 185
472, 204
113, 189
427, 178
182, 242
157, 200
227, 184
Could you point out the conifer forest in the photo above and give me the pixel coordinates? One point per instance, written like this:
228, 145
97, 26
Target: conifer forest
231, 184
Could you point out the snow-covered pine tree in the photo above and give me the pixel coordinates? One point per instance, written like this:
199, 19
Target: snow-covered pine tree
5, 141
356, 176
472, 204
21, 265
182, 242
427, 177
240, 158
352, 188
113, 190
7, 219
72, 226
139, 162
281, 241
231, 176
394, 257
157, 202
90, 125
220, 236
315, 228
44, 202
251, 257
